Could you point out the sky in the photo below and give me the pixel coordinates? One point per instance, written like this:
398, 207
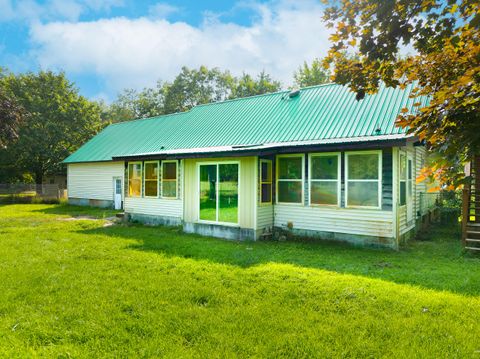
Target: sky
105, 46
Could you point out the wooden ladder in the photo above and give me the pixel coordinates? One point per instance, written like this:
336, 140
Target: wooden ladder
471, 210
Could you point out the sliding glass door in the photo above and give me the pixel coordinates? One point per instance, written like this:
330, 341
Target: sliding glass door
219, 192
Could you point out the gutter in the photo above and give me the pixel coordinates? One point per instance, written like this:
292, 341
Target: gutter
274, 147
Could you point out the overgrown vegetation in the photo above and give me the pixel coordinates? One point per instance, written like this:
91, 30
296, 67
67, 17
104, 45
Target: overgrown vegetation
74, 288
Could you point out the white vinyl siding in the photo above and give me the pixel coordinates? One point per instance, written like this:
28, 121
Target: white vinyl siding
369, 222
404, 226
93, 180
154, 206
264, 216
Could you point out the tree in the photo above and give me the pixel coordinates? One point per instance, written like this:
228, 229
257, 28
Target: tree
311, 75
195, 87
59, 121
131, 104
11, 117
445, 65
246, 85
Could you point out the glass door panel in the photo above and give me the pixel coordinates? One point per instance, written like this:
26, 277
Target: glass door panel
208, 192
228, 193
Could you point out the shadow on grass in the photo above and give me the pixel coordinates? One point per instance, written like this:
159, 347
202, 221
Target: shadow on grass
437, 262
73, 211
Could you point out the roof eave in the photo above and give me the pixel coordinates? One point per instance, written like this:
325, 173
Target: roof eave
280, 147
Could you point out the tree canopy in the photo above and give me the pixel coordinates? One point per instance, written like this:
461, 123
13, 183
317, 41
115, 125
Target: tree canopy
190, 87
59, 121
311, 75
12, 115
444, 61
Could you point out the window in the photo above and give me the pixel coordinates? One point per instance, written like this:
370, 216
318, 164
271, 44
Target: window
169, 179
290, 179
363, 179
135, 179
324, 172
151, 179
219, 192
265, 181
410, 178
403, 179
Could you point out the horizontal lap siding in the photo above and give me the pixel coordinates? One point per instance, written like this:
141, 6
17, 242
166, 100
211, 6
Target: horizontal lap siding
340, 220
93, 180
154, 206
264, 216
420, 160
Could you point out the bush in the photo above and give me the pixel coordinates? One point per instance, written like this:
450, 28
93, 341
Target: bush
22, 199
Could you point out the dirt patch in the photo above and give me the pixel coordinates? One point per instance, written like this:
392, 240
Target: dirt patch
109, 221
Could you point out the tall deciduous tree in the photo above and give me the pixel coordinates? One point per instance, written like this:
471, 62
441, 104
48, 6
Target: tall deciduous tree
311, 75
193, 87
246, 85
59, 121
190, 87
444, 38
11, 117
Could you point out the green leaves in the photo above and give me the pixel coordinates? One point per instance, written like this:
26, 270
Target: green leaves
190, 87
445, 65
59, 121
310, 75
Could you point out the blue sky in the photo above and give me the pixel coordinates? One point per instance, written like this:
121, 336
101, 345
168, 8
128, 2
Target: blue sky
107, 45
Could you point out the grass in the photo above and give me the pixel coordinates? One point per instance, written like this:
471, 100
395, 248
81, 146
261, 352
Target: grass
79, 289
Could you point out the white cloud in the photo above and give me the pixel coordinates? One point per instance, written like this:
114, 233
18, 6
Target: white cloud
162, 10
137, 52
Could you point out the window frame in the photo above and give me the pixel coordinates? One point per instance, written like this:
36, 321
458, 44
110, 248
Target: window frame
400, 180
338, 180
277, 179
141, 178
176, 179
379, 180
264, 160
144, 179
410, 170
217, 192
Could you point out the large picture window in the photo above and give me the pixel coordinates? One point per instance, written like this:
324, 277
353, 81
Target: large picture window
169, 179
290, 179
151, 179
265, 181
324, 181
363, 179
135, 179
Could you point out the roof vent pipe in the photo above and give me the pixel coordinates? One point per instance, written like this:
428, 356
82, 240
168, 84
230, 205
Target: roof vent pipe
294, 93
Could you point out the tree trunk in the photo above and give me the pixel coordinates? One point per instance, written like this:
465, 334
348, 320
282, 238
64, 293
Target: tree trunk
38, 177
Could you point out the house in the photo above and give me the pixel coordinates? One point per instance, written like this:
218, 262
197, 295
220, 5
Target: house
314, 162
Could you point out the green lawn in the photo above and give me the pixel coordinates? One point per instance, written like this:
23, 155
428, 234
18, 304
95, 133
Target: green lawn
79, 289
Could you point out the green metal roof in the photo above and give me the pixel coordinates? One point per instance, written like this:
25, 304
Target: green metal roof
319, 114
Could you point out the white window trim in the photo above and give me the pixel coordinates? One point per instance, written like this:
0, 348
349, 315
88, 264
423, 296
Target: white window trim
400, 180
338, 180
277, 179
176, 179
379, 180
262, 183
128, 178
158, 178
218, 163
410, 183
